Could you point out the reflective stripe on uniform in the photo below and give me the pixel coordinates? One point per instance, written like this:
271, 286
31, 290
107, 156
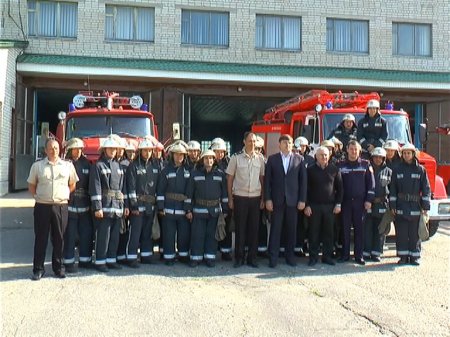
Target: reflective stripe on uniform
67, 261
169, 256
146, 254
96, 197
200, 210
111, 260
196, 257
174, 211
183, 254
210, 256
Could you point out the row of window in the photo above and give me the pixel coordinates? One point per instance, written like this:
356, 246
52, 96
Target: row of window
209, 28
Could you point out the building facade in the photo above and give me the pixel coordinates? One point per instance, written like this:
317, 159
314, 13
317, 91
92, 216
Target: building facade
215, 66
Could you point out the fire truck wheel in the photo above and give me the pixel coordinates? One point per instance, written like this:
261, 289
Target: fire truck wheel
433, 226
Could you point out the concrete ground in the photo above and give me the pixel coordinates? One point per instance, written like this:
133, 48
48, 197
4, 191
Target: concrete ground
343, 300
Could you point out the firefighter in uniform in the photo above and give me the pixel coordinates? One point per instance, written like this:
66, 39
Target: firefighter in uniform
359, 184
141, 177
409, 198
392, 153
193, 149
382, 175
106, 187
172, 203
372, 128
219, 147
79, 224
346, 130
208, 191
130, 151
159, 161
124, 162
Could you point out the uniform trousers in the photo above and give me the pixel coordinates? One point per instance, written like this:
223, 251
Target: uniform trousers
321, 228
176, 226
246, 216
140, 236
124, 234
353, 213
203, 241
407, 236
372, 240
49, 219
106, 239
226, 243
79, 226
285, 218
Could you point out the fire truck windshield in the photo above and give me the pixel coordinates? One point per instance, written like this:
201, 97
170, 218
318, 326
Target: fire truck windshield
397, 125
102, 126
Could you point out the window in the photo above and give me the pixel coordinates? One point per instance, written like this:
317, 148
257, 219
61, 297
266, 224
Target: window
411, 39
278, 32
130, 23
348, 36
52, 19
204, 28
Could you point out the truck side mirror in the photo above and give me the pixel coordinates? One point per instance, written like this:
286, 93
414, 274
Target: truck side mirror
176, 131
423, 134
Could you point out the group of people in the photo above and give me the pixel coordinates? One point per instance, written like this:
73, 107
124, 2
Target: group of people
285, 205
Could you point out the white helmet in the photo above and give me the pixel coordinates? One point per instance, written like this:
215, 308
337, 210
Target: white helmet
109, 142
177, 148
75, 143
208, 153
408, 146
193, 145
217, 140
327, 143
349, 117
130, 147
391, 145
146, 144
373, 103
378, 151
299, 141
336, 141
219, 145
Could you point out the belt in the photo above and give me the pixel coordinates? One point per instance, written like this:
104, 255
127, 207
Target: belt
147, 198
80, 192
206, 203
113, 194
379, 200
176, 196
408, 197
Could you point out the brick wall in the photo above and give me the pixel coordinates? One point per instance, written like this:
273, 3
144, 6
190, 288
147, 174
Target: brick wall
91, 42
7, 99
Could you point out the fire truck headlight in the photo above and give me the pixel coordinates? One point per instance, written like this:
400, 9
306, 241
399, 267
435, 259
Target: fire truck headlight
136, 102
444, 208
79, 100
318, 108
61, 115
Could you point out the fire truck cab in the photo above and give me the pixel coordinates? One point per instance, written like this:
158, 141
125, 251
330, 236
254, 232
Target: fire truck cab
93, 117
316, 113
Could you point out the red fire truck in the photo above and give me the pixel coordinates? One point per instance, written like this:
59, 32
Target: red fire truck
316, 113
93, 117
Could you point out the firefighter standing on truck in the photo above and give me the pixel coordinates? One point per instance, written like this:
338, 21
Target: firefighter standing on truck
80, 218
141, 178
372, 128
409, 198
106, 186
208, 191
172, 203
382, 174
346, 130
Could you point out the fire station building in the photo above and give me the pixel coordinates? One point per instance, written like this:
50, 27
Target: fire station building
215, 66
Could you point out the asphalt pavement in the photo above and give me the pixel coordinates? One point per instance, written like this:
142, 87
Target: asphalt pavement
379, 299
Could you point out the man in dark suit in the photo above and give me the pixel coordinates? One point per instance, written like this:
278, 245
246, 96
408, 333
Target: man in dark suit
285, 194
